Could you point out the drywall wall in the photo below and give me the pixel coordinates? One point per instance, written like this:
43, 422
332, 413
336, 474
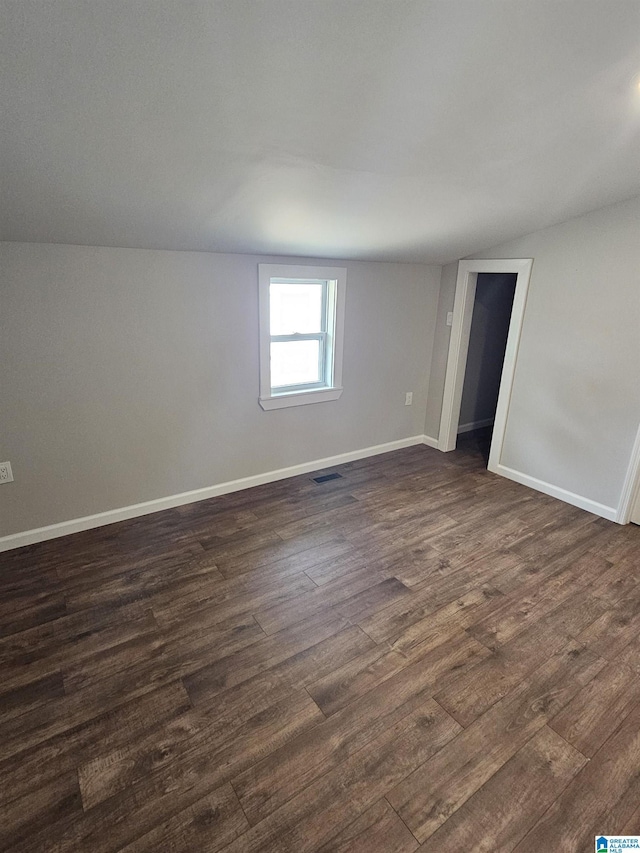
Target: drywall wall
575, 405
440, 351
487, 343
130, 375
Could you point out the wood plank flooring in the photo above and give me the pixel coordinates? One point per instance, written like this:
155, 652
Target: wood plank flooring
418, 655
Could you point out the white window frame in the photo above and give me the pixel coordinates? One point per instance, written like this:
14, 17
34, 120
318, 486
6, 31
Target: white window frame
332, 340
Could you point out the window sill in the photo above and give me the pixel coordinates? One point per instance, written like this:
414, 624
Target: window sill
299, 398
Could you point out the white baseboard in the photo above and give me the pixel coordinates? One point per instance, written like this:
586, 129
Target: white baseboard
88, 522
596, 508
474, 425
430, 442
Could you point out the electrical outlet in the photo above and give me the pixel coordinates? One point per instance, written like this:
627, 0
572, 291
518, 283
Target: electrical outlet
449, 318
408, 398
6, 475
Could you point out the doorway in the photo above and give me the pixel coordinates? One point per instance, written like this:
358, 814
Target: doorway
629, 507
463, 311
485, 357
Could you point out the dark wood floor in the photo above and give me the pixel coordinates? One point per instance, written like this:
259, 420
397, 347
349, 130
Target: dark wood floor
418, 653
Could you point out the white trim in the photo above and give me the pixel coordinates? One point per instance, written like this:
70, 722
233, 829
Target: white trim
64, 528
474, 425
631, 486
300, 398
268, 399
457, 357
596, 508
430, 442
523, 269
459, 345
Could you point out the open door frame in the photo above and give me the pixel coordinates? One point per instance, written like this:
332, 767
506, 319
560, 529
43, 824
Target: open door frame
459, 345
631, 486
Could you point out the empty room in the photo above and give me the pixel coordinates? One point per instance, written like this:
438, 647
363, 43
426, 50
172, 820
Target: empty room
319, 426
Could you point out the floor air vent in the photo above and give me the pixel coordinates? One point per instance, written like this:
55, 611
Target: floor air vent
326, 477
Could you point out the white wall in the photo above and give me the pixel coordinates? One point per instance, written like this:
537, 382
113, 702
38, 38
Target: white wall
129, 375
440, 352
576, 398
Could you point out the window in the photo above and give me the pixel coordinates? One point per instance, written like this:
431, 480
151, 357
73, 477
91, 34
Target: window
301, 328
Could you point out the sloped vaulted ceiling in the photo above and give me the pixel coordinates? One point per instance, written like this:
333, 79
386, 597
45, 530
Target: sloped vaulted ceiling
342, 128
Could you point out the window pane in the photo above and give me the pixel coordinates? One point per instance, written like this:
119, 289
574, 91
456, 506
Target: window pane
294, 362
295, 308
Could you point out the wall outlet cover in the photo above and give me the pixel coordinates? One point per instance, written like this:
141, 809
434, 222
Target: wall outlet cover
6, 474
